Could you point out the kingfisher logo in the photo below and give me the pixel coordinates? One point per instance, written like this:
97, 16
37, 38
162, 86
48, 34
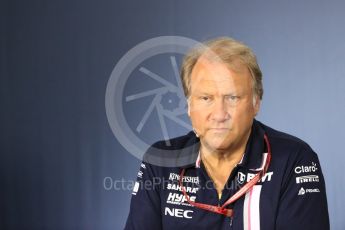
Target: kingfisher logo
187, 179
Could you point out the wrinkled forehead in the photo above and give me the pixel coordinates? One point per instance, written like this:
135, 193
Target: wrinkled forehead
215, 73
211, 62
233, 62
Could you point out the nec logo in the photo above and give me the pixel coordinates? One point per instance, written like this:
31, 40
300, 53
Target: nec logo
180, 213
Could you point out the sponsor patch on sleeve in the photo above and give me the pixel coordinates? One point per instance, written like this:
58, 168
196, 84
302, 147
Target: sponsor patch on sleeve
135, 188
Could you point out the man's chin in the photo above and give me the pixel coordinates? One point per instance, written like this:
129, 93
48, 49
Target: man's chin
217, 146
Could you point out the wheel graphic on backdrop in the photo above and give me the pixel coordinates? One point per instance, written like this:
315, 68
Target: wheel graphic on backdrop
168, 101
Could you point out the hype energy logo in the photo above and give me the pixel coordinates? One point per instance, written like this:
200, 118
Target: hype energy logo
144, 97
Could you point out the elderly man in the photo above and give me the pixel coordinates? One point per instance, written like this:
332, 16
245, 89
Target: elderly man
244, 174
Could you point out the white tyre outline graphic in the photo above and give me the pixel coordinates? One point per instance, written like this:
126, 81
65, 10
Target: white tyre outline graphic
115, 92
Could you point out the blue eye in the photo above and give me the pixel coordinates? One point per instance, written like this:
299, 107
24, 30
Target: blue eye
233, 98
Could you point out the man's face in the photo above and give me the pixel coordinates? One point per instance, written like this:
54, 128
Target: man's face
221, 105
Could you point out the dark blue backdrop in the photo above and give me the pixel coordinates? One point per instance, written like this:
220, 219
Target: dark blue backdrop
61, 166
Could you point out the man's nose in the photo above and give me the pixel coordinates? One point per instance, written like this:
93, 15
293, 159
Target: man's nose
219, 111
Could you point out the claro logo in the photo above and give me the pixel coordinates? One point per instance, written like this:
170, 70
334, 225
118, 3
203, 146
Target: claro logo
306, 169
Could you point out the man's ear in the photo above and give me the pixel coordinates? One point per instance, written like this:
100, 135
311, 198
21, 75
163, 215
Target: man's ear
188, 107
256, 103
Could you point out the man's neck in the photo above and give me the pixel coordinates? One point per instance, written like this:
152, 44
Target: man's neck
220, 163
222, 158
219, 166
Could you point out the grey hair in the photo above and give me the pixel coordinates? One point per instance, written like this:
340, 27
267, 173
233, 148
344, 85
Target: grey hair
228, 51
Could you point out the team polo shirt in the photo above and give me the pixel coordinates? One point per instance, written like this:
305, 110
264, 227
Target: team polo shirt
291, 195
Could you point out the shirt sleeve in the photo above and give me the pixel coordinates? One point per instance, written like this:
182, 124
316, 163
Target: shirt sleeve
303, 202
145, 202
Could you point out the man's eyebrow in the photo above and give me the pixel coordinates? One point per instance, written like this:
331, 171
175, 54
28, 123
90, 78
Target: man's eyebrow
232, 94
202, 92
